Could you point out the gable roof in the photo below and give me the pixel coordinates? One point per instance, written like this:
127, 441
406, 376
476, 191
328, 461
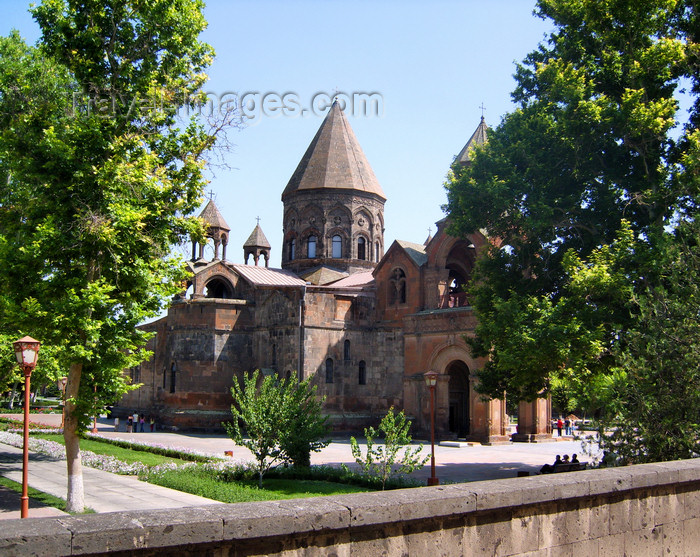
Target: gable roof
415, 251
334, 160
361, 278
478, 138
263, 276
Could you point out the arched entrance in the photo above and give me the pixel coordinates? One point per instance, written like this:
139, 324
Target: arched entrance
458, 373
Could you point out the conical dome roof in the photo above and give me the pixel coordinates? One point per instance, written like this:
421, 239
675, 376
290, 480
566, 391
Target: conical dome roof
478, 138
257, 239
213, 217
334, 160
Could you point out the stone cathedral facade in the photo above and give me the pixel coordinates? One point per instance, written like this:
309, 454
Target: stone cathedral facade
364, 320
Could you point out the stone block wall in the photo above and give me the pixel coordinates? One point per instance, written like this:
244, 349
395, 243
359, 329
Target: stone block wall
643, 510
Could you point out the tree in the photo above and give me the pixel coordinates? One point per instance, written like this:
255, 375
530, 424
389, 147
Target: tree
98, 179
654, 409
278, 420
383, 462
587, 162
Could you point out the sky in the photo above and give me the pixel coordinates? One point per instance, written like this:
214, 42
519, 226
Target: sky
432, 66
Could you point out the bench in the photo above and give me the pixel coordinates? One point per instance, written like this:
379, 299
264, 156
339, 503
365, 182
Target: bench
566, 467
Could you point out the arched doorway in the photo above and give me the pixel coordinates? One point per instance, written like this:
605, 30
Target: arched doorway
458, 373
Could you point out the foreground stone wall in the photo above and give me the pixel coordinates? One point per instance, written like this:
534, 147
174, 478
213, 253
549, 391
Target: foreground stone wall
650, 509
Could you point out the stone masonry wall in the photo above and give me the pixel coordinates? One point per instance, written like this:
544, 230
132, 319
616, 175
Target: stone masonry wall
643, 510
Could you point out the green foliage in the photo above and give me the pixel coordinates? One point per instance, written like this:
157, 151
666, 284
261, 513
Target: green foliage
581, 190
36, 496
384, 461
654, 412
207, 483
277, 420
98, 179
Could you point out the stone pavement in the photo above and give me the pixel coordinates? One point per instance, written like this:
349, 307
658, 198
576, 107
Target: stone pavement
105, 492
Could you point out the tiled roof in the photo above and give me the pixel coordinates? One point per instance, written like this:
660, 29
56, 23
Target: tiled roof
257, 239
212, 216
356, 279
478, 138
415, 252
334, 160
263, 276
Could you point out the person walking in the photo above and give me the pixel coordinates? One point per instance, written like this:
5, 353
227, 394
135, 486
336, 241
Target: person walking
142, 421
560, 424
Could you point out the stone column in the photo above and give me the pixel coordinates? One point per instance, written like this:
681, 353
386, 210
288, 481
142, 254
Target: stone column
533, 421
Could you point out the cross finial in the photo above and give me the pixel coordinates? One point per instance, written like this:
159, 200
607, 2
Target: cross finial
211, 194
483, 108
258, 219
430, 231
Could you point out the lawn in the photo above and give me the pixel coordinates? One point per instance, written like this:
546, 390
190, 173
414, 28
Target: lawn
207, 483
40, 496
127, 455
202, 483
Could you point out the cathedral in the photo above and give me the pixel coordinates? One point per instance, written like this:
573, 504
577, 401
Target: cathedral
363, 320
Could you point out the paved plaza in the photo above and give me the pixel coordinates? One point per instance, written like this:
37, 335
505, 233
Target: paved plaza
106, 492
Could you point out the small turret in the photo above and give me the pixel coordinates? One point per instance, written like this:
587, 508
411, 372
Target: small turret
217, 230
257, 245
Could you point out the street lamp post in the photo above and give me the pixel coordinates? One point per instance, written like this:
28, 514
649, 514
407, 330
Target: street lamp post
26, 352
431, 380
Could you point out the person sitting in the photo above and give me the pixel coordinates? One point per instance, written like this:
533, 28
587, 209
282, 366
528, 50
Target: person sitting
549, 468
574, 459
566, 459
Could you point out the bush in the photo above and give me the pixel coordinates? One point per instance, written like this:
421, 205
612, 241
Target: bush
281, 418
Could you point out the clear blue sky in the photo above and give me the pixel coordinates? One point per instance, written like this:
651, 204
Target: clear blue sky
433, 63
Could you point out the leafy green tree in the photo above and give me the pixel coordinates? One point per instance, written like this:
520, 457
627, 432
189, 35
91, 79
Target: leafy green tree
578, 188
98, 179
654, 411
386, 460
278, 420
305, 429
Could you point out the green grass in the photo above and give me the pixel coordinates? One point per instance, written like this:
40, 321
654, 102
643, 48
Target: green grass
202, 483
40, 496
127, 455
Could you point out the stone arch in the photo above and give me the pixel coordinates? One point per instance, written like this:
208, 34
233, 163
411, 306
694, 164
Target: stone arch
340, 217
456, 256
337, 231
364, 221
311, 216
396, 286
455, 365
218, 287
303, 243
291, 220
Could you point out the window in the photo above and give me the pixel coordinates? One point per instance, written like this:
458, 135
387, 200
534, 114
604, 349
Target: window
361, 248
397, 287
376, 252
329, 370
172, 377
311, 247
362, 373
292, 248
274, 355
337, 246
346, 350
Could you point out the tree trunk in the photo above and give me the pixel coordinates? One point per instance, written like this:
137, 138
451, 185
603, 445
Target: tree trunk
75, 500
13, 395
